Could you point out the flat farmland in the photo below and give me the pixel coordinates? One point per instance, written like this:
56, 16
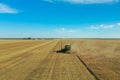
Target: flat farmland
90, 59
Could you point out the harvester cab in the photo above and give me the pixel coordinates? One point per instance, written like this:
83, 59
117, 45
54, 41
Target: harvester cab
67, 47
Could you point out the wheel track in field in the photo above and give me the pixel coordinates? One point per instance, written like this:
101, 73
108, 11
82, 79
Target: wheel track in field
24, 51
90, 71
10, 45
75, 53
104, 65
24, 54
18, 59
56, 66
66, 69
18, 46
38, 73
81, 61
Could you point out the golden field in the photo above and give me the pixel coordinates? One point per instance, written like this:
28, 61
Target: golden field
90, 59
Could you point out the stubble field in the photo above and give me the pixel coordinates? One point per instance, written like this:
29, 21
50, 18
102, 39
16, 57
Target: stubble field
90, 59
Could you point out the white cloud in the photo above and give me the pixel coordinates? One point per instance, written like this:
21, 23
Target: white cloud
61, 30
84, 1
107, 26
103, 26
7, 9
118, 24
94, 27
65, 32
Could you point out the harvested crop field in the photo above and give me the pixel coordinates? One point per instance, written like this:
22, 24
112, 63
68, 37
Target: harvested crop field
90, 59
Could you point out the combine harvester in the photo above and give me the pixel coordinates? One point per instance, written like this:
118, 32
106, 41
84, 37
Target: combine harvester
66, 49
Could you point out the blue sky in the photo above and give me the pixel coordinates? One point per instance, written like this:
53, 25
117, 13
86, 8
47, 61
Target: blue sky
60, 18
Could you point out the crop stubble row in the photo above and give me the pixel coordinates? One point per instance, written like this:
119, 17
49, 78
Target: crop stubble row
37, 60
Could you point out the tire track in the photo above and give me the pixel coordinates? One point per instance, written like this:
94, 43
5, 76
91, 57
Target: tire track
90, 71
24, 54
58, 66
23, 61
44, 67
19, 53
